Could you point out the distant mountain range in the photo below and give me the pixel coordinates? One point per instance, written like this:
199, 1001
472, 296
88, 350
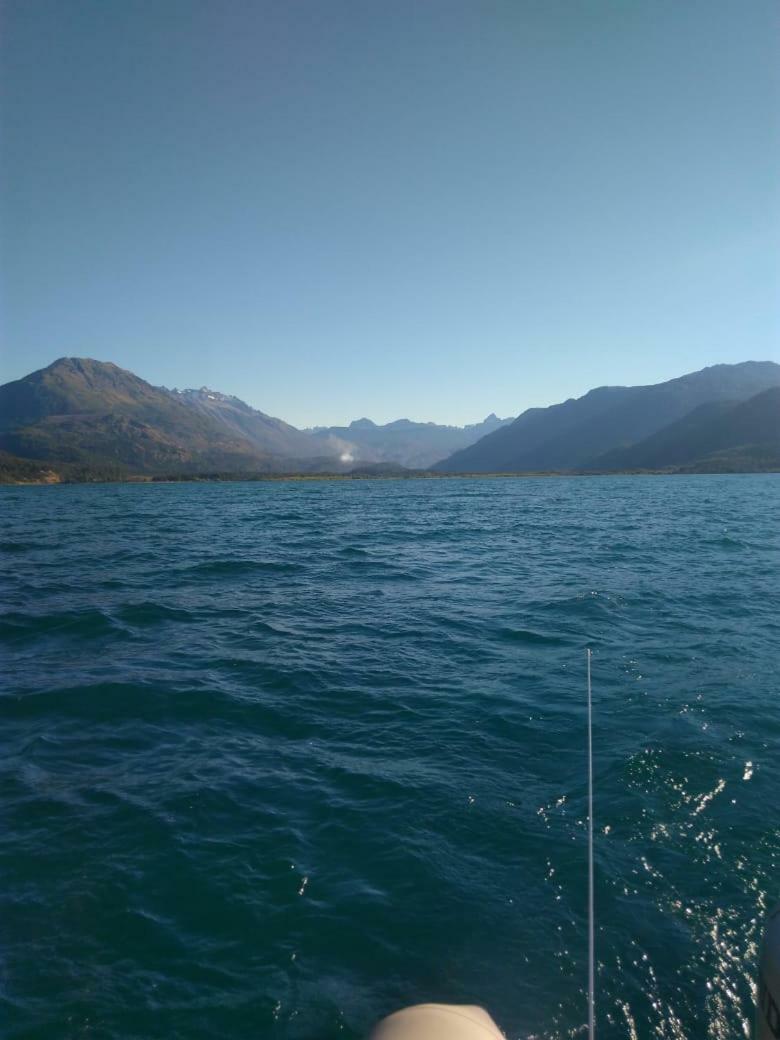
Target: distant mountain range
413, 444
85, 419
590, 432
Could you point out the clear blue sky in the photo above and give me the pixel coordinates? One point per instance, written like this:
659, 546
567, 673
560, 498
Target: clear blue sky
422, 208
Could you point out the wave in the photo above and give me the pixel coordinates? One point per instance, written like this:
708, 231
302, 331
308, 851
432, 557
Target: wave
229, 568
529, 636
151, 613
254, 785
21, 546
73, 624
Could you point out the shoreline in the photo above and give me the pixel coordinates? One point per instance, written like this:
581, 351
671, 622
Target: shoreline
51, 478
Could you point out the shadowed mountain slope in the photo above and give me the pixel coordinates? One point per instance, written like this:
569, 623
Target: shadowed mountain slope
725, 431
570, 435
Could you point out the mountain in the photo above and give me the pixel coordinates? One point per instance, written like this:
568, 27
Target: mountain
721, 434
415, 445
571, 435
81, 419
85, 412
92, 418
241, 420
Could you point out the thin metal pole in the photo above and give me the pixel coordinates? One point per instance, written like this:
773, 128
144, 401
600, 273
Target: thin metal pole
591, 930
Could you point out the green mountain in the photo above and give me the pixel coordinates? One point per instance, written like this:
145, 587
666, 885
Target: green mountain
571, 435
93, 413
720, 435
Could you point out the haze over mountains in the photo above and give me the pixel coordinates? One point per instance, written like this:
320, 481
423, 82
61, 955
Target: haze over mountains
264, 432
86, 419
412, 444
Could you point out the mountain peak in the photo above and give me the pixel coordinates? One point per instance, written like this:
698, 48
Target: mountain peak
84, 366
93, 412
206, 393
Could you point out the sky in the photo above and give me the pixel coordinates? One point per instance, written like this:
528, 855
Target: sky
432, 209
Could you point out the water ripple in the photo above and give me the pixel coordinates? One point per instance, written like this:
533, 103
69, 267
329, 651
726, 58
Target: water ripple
277, 758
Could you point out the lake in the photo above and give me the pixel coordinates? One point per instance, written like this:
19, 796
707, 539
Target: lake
278, 758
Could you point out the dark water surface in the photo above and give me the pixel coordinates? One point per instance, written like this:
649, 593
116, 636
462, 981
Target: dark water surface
278, 758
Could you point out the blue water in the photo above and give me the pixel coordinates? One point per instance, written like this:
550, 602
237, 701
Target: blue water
279, 758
